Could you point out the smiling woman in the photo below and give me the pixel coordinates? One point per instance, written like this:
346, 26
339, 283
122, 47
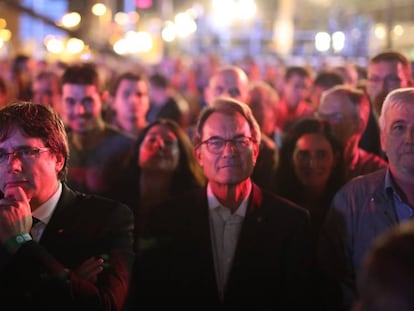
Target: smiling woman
311, 167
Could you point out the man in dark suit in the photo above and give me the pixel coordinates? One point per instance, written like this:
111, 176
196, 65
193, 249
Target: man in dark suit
78, 254
230, 245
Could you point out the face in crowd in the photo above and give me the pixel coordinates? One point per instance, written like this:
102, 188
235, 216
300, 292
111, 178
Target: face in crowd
159, 151
131, 103
227, 152
83, 105
383, 77
397, 132
231, 82
313, 160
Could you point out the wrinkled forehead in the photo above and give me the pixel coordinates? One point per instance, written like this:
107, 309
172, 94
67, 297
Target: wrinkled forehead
226, 124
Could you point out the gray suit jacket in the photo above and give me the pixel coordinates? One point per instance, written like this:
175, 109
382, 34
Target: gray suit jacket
359, 213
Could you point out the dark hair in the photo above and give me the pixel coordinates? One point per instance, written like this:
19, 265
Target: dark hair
18, 63
296, 71
127, 76
50, 76
287, 183
328, 79
84, 74
159, 80
188, 174
386, 282
393, 56
36, 121
227, 106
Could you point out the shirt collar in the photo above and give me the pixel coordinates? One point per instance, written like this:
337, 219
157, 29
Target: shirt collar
389, 185
44, 211
214, 203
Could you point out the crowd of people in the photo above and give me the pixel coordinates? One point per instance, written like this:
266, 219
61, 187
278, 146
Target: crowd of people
211, 187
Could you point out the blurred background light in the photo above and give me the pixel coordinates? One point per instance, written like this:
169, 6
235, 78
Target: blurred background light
70, 20
322, 41
99, 9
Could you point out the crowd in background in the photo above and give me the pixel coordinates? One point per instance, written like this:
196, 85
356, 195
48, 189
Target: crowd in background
134, 137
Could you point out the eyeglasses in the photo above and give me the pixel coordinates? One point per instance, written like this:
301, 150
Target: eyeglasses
26, 153
216, 145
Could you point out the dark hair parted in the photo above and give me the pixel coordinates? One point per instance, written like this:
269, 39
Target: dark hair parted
228, 106
36, 121
287, 183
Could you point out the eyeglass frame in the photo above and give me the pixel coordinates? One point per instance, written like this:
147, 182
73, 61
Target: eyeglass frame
32, 152
239, 145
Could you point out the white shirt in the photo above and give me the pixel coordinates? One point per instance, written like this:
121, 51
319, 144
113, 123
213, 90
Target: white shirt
225, 229
44, 213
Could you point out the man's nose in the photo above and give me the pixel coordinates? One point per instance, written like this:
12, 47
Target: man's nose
80, 108
14, 163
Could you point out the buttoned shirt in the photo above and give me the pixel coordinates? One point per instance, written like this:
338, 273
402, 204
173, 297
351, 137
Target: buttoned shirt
402, 209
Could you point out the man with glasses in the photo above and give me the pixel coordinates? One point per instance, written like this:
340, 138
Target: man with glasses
229, 245
347, 110
386, 71
59, 249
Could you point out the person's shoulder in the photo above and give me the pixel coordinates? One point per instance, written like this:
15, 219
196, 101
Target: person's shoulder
366, 156
361, 188
366, 181
114, 132
95, 201
279, 204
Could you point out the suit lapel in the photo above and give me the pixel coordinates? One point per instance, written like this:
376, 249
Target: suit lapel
61, 218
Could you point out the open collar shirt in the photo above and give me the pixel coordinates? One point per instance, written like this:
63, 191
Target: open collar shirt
402, 209
43, 213
225, 229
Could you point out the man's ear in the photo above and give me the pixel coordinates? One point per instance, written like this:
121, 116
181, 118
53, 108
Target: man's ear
197, 155
256, 148
60, 162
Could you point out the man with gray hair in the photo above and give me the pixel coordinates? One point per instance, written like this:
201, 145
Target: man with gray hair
369, 205
229, 245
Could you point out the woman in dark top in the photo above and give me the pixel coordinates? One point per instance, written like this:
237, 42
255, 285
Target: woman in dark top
310, 168
162, 165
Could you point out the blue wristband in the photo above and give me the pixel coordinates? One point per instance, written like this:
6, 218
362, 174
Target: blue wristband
19, 239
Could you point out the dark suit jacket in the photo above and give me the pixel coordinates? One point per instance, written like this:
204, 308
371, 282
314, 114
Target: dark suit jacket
82, 226
270, 268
